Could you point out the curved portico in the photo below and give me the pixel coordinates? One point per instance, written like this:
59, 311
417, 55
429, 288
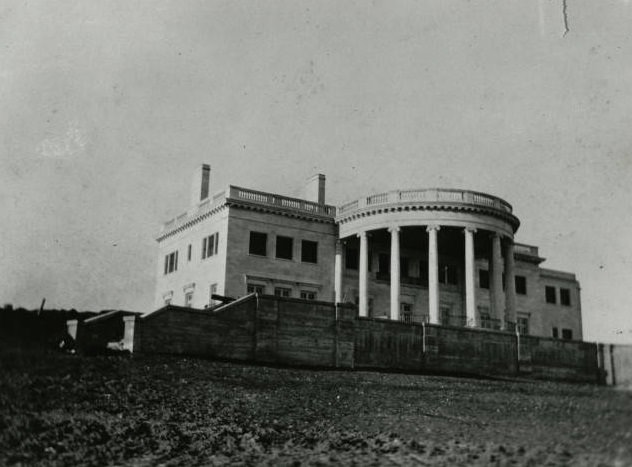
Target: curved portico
443, 228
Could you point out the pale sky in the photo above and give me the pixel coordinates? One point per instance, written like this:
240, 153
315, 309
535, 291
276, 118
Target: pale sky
107, 107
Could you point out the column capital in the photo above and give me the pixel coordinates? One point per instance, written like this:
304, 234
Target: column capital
435, 227
494, 235
394, 228
364, 233
470, 229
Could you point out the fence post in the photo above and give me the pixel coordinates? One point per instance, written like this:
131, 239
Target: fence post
517, 350
614, 379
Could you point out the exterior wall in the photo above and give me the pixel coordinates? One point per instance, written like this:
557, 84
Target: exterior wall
270, 271
558, 315
616, 362
557, 359
200, 273
273, 330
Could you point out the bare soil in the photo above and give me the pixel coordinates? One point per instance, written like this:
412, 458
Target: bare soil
58, 409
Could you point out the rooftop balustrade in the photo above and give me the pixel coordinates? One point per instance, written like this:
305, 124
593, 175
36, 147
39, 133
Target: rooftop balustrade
429, 195
235, 193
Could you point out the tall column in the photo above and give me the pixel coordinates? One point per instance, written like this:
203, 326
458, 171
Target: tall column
338, 273
496, 281
433, 274
364, 275
395, 272
510, 285
470, 290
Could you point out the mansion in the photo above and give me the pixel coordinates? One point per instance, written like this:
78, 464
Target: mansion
442, 256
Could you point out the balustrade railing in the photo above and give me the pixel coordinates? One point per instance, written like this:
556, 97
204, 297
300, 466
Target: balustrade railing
251, 196
427, 195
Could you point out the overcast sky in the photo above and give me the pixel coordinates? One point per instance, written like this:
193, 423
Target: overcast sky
106, 108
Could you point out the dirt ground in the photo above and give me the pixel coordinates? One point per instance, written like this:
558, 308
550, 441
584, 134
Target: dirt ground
58, 409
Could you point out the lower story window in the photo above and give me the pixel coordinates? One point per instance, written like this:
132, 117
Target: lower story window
282, 292
567, 334
188, 299
255, 288
406, 312
308, 295
555, 333
522, 323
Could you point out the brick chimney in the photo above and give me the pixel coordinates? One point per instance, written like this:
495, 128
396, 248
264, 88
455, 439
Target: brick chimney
201, 184
315, 189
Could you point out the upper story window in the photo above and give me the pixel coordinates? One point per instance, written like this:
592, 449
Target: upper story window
549, 294
309, 251
483, 278
210, 245
448, 274
258, 243
171, 262
188, 299
523, 325
555, 333
565, 297
351, 258
567, 334
284, 247
406, 312
521, 285
189, 253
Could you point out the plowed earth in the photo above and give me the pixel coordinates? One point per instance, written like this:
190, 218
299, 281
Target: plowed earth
58, 409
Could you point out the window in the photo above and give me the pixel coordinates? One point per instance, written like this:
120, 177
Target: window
282, 292
483, 278
212, 291
189, 253
483, 313
258, 241
209, 245
255, 288
308, 295
309, 251
555, 333
448, 274
565, 297
567, 334
351, 258
521, 285
403, 267
549, 293
188, 299
406, 312
522, 322
171, 262
284, 247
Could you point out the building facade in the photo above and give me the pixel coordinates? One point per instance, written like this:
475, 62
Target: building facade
427, 255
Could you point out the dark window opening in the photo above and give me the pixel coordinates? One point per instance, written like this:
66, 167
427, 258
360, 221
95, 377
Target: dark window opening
258, 243
284, 247
521, 285
565, 297
189, 253
555, 333
171, 262
309, 251
567, 334
308, 295
549, 293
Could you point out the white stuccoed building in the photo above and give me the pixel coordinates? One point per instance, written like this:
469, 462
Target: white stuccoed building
436, 255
